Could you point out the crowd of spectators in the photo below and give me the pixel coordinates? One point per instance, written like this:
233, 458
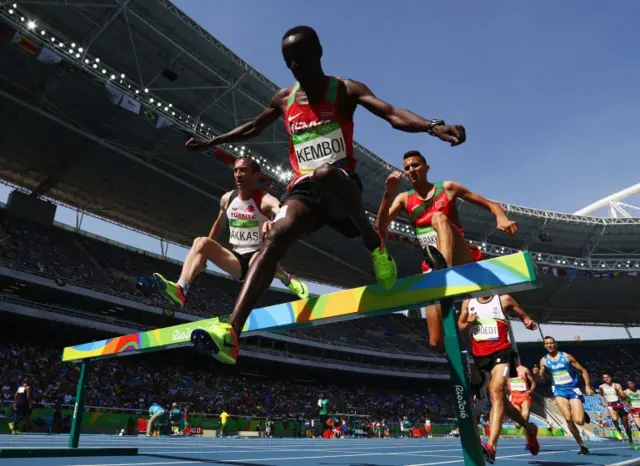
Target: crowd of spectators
134, 383
92, 263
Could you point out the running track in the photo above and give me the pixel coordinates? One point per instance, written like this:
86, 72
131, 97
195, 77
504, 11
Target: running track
159, 451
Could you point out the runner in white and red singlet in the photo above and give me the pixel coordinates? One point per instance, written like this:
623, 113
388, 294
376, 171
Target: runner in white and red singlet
431, 207
614, 399
492, 352
318, 112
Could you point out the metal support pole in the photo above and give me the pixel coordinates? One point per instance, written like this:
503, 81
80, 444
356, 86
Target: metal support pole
628, 332
78, 411
540, 330
461, 386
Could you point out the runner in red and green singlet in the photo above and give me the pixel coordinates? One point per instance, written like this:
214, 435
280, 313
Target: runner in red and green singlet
318, 112
434, 217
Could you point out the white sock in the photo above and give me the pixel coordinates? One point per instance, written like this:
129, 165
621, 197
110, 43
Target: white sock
184, 285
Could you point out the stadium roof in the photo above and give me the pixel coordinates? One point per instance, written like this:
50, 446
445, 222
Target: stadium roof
80, 133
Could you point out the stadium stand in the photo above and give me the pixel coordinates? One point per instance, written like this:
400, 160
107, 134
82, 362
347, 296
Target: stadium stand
95, 264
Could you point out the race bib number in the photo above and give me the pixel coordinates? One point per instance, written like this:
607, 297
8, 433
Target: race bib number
635, 404
562, 378
319, 145
610, 398
517, 385
485, 330
427, 236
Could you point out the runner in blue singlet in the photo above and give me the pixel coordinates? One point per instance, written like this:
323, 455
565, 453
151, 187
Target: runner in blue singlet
563, 369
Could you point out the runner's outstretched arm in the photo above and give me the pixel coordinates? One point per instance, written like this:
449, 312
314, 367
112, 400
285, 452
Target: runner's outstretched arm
465, 319
404, 120
512, 305
221, 222
247, 131
504, 224
583, 371
389, 210
532, 380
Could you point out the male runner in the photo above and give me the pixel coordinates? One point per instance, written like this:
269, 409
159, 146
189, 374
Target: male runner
632, 395
318, 112
246, 210
493, 353
21, 406
564, 370
431, 207
613, 398
521, 388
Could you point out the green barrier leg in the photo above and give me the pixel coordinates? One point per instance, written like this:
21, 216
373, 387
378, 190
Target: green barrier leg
78, 411
463, 397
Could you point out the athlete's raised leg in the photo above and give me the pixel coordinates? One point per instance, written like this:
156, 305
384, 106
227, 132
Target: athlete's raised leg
333, 182
435, 327
451, 243
203, 249
293, 221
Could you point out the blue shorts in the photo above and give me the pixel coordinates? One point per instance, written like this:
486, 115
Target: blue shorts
567, 391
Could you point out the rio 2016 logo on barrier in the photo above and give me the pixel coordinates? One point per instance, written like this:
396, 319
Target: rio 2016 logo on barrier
179, 335
462, 403
196, 431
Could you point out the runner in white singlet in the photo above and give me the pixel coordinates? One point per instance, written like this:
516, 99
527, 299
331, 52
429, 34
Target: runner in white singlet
614, 398
248, 212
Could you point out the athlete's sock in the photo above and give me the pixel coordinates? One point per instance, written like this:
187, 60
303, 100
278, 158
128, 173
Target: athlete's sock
184, 286
284, 278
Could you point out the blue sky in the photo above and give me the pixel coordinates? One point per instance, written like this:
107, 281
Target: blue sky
548, 91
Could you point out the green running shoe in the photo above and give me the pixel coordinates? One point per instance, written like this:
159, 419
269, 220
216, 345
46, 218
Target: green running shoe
221, 341
299, 288
170, 290
384, 268
634, 446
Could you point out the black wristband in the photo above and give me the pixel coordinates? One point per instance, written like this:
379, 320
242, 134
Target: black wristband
432, 124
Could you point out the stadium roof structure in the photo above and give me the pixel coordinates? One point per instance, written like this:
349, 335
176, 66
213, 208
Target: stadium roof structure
99, 97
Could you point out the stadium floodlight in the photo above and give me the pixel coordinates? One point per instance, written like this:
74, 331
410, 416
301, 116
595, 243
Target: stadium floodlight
31, 25
10, 11
113, 76
80, 50
97, 60
43, 32
151, 100
95, 66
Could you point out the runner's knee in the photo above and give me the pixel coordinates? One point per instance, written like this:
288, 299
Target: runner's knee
200, 243
497, 392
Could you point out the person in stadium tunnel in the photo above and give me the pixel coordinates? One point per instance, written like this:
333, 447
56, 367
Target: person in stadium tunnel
325, 189
632, 396
493, 353
432, 210
614, 399
246, 210
564, 369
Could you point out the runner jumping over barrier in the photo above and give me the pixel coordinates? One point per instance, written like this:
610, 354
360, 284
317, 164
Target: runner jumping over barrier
318, 112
